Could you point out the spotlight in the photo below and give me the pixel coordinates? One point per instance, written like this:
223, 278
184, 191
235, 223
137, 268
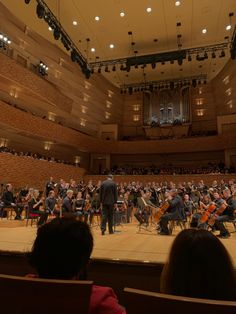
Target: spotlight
222, 55
65, 42
74, 55
213, 55
40, 11
56, 33
180, 61
194, 83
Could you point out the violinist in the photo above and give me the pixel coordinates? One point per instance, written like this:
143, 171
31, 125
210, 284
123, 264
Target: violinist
227, 214
50, 203
34, 206
79, 205
95, 207
175, 211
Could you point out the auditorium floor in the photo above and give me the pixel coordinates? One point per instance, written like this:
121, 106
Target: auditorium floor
125, 244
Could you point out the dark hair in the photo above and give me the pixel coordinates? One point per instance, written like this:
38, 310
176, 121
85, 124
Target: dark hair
199, 266
62, 249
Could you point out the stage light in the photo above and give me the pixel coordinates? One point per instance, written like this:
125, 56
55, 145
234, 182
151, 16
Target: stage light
180, 61
194, 83
74, 55
56, 33
153, 65
222, 55
40, 11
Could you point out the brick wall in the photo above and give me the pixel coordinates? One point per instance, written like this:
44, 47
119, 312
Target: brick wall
21, 171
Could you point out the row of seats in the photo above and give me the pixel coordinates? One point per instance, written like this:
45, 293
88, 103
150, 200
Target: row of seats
33, 295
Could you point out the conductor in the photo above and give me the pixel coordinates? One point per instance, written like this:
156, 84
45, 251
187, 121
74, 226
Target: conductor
108, 199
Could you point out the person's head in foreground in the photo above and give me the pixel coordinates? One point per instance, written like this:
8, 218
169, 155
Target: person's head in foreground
199, 266
62, 249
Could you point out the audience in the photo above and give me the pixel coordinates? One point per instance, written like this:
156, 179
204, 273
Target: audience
199, 266
62, 250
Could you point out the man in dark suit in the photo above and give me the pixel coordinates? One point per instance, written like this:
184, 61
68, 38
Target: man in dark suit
108, 198
67, 203
174, 212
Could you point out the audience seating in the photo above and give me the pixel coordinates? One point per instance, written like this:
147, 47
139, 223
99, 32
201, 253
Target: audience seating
140, 302
30, 295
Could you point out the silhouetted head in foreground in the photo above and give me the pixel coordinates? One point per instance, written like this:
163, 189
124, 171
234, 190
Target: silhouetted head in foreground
199, 266
62, 249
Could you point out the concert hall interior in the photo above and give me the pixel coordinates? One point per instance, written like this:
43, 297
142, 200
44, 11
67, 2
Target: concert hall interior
118, 131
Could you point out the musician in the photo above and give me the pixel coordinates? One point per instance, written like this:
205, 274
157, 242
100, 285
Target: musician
143, 212
10, 201
67, 203
50, 203
95, 207
50, 185
227, 214
79, 205
34, 206
188, 205
175, 211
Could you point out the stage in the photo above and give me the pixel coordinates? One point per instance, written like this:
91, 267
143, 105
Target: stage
126, 244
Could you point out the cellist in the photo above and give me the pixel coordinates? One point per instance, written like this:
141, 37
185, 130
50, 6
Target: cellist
175, 211
227, 214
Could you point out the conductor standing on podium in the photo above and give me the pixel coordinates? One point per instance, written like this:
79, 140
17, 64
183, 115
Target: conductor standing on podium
108, 199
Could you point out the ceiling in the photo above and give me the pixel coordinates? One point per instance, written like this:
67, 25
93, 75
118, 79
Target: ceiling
159, 25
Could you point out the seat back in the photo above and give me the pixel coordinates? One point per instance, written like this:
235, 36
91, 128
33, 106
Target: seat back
139, 302
21, 295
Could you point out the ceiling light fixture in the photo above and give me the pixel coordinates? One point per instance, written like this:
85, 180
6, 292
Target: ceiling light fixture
75, 23
228, 27
93, 49
111, 46
149, 10
204, 30
49, 28
97, 18
177, 3
122, 14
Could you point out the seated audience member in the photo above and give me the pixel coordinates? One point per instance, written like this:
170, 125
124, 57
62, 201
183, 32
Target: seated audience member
199, 266
62, 250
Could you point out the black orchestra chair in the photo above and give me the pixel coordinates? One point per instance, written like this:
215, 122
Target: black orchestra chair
33, 217
31, 295
139, 302
141, 208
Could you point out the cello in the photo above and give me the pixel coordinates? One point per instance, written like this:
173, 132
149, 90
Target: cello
207, 213
217, 213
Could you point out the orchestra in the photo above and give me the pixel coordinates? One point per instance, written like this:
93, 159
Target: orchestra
156, 204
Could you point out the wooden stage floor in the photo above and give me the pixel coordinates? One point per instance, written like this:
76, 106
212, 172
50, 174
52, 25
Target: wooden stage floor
126, 244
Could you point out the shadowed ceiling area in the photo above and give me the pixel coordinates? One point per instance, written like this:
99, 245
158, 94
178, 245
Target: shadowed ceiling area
150, 32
